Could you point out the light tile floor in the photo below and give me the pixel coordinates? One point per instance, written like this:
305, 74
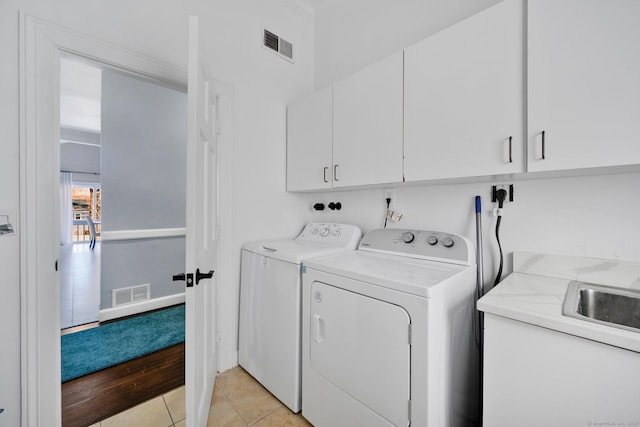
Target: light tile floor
238, 401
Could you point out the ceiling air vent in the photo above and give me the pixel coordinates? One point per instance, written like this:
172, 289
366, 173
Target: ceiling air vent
278, 44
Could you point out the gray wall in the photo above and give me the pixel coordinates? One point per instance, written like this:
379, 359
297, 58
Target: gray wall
136, 262
144, 131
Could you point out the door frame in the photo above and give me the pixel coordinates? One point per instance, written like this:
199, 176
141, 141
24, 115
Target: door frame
41, 44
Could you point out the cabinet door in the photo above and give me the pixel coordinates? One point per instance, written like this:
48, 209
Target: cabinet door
464, 98
367, 125
583, 83
309, 139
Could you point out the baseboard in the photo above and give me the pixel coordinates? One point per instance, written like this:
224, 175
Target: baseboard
140, 307
226, 360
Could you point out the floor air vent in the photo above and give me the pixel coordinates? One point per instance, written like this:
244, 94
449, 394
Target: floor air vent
278, 45
124, 296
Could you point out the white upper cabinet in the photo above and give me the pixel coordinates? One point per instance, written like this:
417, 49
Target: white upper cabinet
453, 105
367, 125
583, 83
464, 98
309, 142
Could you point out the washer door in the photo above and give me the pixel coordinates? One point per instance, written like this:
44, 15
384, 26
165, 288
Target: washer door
361, 345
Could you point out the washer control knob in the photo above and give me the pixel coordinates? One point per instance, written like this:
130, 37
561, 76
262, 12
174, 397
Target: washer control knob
447, 242
314, 231
408, 237
324, 232
432, 240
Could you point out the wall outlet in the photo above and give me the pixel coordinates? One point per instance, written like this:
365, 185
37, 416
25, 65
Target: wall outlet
507, 187
391, 194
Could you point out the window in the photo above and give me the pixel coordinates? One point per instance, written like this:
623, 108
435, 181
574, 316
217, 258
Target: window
87, 201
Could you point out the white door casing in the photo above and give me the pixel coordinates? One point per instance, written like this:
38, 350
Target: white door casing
41, 44
201, 253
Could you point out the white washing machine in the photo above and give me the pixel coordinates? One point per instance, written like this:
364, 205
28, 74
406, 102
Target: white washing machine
387, 333
270, 305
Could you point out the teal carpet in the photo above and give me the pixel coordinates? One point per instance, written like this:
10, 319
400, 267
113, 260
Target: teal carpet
94, 349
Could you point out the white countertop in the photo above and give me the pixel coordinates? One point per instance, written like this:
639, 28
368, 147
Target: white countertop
535, 291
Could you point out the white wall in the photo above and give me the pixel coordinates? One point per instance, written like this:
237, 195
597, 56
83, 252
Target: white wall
357, 33
9, 199
80, 158
589, 215
263, 85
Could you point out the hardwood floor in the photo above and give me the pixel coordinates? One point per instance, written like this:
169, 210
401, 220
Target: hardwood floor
92, 398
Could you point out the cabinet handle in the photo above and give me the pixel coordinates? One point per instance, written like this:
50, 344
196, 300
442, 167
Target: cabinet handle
335, 172
543, 147
510, 149
324, 174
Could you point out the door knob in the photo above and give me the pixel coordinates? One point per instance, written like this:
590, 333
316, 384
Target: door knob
182, 276
200, 276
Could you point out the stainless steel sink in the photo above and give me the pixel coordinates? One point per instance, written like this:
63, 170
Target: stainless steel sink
606, 305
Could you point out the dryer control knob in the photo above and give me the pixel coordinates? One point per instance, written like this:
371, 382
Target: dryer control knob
324, 232
448, 242
408, 237
432, 240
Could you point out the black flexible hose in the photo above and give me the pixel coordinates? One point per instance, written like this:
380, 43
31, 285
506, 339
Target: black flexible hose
386, 214
499, 275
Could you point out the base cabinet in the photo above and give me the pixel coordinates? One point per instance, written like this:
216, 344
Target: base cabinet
539, 377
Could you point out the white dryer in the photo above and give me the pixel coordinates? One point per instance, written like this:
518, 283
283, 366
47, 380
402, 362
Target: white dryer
387, 333
270, 304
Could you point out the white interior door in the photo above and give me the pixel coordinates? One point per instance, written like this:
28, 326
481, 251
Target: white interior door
201, 241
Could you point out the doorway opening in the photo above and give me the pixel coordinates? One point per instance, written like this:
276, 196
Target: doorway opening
122, 195
80, 191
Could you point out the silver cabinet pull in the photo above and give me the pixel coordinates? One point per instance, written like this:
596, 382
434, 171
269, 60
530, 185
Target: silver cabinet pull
335, 172
543, 147
510, 149
324, 174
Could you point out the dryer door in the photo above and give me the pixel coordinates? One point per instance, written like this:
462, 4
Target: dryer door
361, 345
